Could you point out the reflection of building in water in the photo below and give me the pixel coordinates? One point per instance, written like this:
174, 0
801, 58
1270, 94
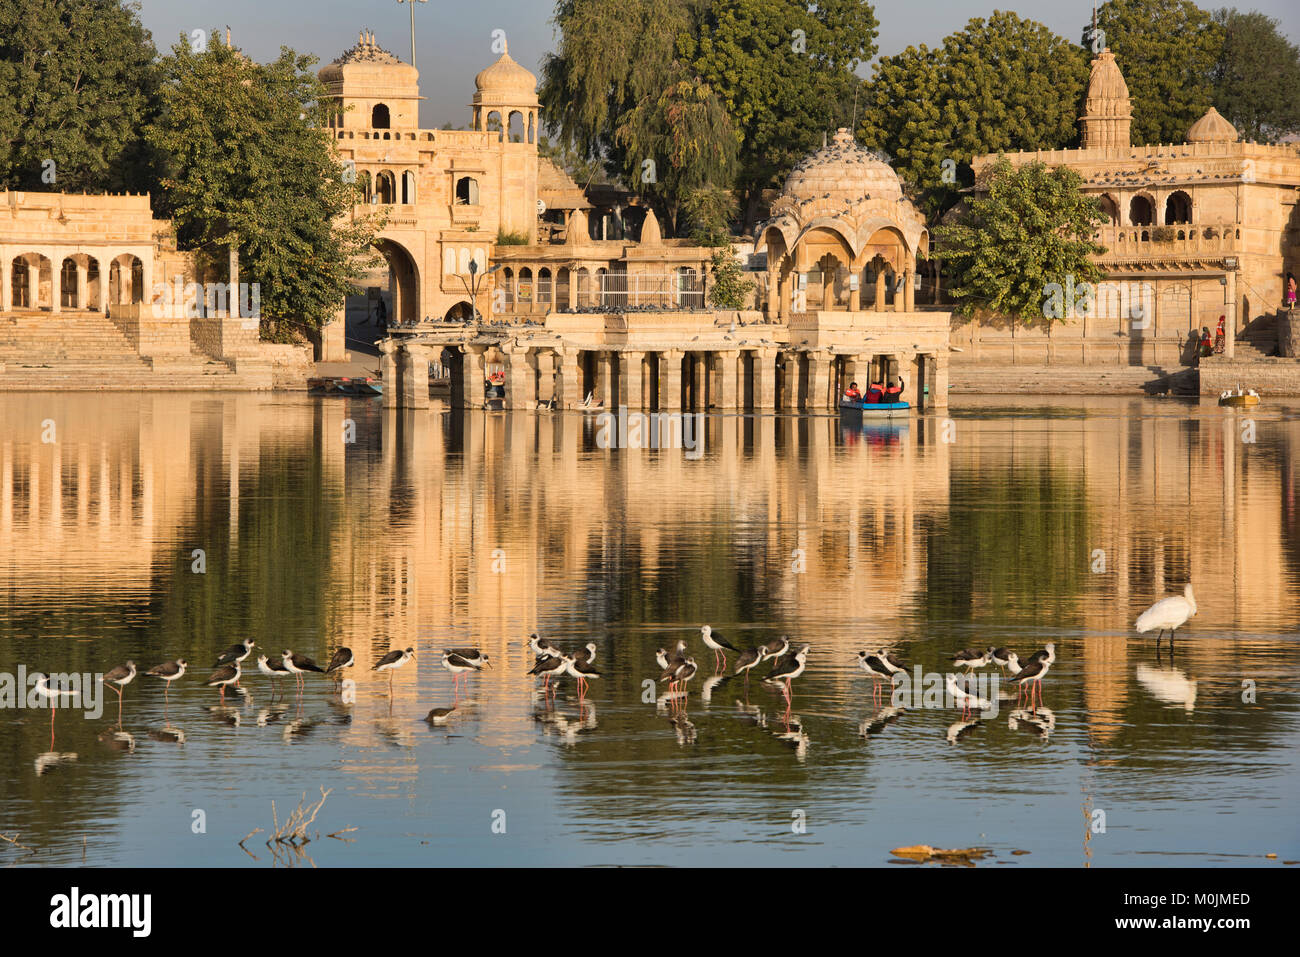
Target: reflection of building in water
435, 530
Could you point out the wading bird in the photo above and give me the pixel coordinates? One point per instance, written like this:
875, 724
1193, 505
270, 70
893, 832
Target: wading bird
582, 670
778, 646
964, 698
547, 667
788, 669
273, 667
298, 665
1168, 614
1031, 675
969, 658
748, 660
53, 695
223, 677
119, 678
392, 661
343, 658
235, 653
877, 669
718, 645
168, 671
458, 665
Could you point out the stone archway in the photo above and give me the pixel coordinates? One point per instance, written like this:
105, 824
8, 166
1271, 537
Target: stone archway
403, 292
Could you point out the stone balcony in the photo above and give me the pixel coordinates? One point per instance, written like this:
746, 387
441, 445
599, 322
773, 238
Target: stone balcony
1155, 244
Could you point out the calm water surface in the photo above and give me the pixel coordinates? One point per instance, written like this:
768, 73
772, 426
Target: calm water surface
1010, 526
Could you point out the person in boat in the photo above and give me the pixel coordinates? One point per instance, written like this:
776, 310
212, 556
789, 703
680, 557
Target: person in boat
894, 393
875, 392
853, 393
1219, 337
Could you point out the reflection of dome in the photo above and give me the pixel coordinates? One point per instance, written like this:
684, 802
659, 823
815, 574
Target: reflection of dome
848, 189
1212, 128
844, 170
506, 78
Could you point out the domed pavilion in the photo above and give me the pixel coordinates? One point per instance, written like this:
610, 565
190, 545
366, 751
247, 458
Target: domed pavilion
841, 225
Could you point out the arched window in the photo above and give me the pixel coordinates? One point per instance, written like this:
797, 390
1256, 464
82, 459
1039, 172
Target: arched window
516, 127
386, 188
494, 124
408, 188
367, 192
463, 262
1178, 208
1140, 212
543, 287
379, 118
449, 262
466, 191
1109, 210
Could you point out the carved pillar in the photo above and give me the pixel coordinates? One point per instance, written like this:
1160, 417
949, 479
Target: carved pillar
56, 281
764, 380
939, 387
1230, 314
729, 381
819, 381
630, 379
519, 378
413, 374
670, 380
909, 292
83, 272
388, 372
699, 381
569, 378
789, 397
880, 291
471, 371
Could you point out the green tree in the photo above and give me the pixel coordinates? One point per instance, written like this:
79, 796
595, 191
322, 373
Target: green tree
785, 71
250, 161
677, 143
1028, 228
729, 289
77, 82
1167, 50
997, 85
1257, 77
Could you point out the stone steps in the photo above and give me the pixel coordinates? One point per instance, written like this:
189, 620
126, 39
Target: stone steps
1013, 379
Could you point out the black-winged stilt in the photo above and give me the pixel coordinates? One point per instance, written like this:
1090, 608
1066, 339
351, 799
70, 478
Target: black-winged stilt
1001, 657
53, 695
439, 715
548, 666
787, 669
749, 660
472, 656
1168, 614
168, 671
119, 678
777, 647
392, 661
970, 659
677, 674
237, 652
877, 669
582, 670
458, 665
718, 645
273, 667
299, 665
223, 677
343, 658
586, 653
541, 647
1031, 675
964, 698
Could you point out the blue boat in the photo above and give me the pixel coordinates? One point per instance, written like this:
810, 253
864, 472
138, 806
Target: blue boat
859, 409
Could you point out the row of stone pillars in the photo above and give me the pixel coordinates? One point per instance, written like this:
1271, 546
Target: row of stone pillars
669, 380
783, 304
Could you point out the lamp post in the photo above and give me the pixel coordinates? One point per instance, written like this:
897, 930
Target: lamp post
472, 285
412, 3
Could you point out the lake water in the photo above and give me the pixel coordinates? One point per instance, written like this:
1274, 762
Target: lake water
152, 527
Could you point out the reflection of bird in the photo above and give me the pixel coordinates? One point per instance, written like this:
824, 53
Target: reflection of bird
1169, 685
718, 645
1168, 614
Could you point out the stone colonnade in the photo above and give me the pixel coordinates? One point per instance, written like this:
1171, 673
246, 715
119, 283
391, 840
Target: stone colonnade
769, 378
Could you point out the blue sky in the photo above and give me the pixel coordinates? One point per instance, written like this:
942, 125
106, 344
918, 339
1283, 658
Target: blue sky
454, 37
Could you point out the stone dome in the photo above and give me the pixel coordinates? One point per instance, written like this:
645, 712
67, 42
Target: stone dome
848, 189
368, 62
1212, 128
844, 170
506, 79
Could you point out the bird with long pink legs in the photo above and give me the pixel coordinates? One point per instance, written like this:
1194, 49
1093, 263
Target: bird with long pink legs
547, 667
748, 661
391, 662
168, 671
964, 698
118, 678
224, 677
785, 671
1031, 675
718, 645
582, 671
876, 669
53, 695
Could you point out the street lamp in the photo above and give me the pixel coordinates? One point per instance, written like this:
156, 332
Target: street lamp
412, 3
472, 285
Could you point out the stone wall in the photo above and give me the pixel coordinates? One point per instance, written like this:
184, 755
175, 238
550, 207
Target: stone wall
149, 333
1273, 376
291, 365
1288, 333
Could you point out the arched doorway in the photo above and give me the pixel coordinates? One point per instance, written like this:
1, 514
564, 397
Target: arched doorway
388, 291
460, 312
1178, 209
1140, 211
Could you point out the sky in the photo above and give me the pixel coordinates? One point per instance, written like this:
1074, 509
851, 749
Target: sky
454, 37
